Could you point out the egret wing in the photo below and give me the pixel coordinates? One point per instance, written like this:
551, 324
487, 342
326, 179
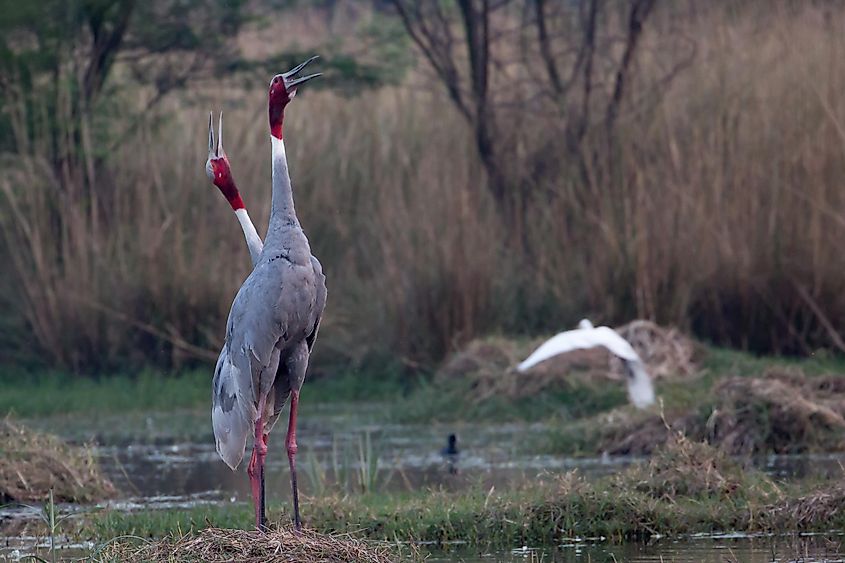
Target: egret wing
579, 339
618, 346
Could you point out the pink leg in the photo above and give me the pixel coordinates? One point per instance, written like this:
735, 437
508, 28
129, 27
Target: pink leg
290, 443
256, 469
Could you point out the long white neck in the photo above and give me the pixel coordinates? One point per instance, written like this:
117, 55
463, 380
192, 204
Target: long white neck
253, 241
282, 213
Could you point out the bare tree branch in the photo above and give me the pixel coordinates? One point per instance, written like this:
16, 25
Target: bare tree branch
545, 47
640, 10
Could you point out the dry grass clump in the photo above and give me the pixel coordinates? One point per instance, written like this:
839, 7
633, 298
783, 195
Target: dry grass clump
32, 463
629, 432
283, 544
783, 411
684, 468
668, 353
780, 412
823, 505
488, 363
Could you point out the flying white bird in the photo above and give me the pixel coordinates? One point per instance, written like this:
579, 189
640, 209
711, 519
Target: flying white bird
640, 389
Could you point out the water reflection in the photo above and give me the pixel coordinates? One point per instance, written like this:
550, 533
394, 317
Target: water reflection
738, 548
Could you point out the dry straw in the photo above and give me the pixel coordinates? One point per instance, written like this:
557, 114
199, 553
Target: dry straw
781, 411
31, 464
280, 545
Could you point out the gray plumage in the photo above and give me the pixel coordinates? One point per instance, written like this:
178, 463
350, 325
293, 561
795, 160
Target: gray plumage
272, 326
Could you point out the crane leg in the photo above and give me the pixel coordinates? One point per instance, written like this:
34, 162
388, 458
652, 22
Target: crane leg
290, 444
256, 470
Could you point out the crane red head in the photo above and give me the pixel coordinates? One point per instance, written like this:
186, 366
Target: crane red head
217, 166
282, 90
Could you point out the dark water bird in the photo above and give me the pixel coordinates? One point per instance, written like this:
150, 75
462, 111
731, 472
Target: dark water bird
451, 454
452, 447
640, 389
272, 325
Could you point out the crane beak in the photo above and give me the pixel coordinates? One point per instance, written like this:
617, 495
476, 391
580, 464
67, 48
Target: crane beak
299, 67
220, 151
211, 153
291, 83
215, 151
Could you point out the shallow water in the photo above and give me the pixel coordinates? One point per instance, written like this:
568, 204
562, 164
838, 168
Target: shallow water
339, 445
702, 548
705, 549
347, 447
169, 461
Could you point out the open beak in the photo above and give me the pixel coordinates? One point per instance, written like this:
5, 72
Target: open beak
210, 137
291, 82
215, 151
299, 67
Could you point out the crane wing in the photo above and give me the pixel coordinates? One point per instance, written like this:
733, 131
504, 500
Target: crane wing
322, 293
579, 339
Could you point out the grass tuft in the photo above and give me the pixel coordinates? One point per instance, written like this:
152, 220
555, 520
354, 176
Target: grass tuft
34, 466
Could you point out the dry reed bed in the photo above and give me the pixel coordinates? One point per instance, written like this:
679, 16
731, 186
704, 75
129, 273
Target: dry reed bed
685, 468
805, 511
32, 463
781, 412
280, 545
722, 212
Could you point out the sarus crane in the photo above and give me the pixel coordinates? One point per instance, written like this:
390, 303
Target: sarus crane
272, 324
220, 173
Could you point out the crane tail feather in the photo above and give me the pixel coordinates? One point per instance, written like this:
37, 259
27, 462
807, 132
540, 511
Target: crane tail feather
229, 417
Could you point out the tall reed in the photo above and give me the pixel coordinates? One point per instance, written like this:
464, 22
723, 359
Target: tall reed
718, 207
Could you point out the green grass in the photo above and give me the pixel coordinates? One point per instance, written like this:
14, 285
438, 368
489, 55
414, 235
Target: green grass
157, 523
50, 393
632, 506
726, 361
455, 401
411, 399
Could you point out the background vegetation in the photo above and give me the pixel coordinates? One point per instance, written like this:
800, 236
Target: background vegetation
466, 168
